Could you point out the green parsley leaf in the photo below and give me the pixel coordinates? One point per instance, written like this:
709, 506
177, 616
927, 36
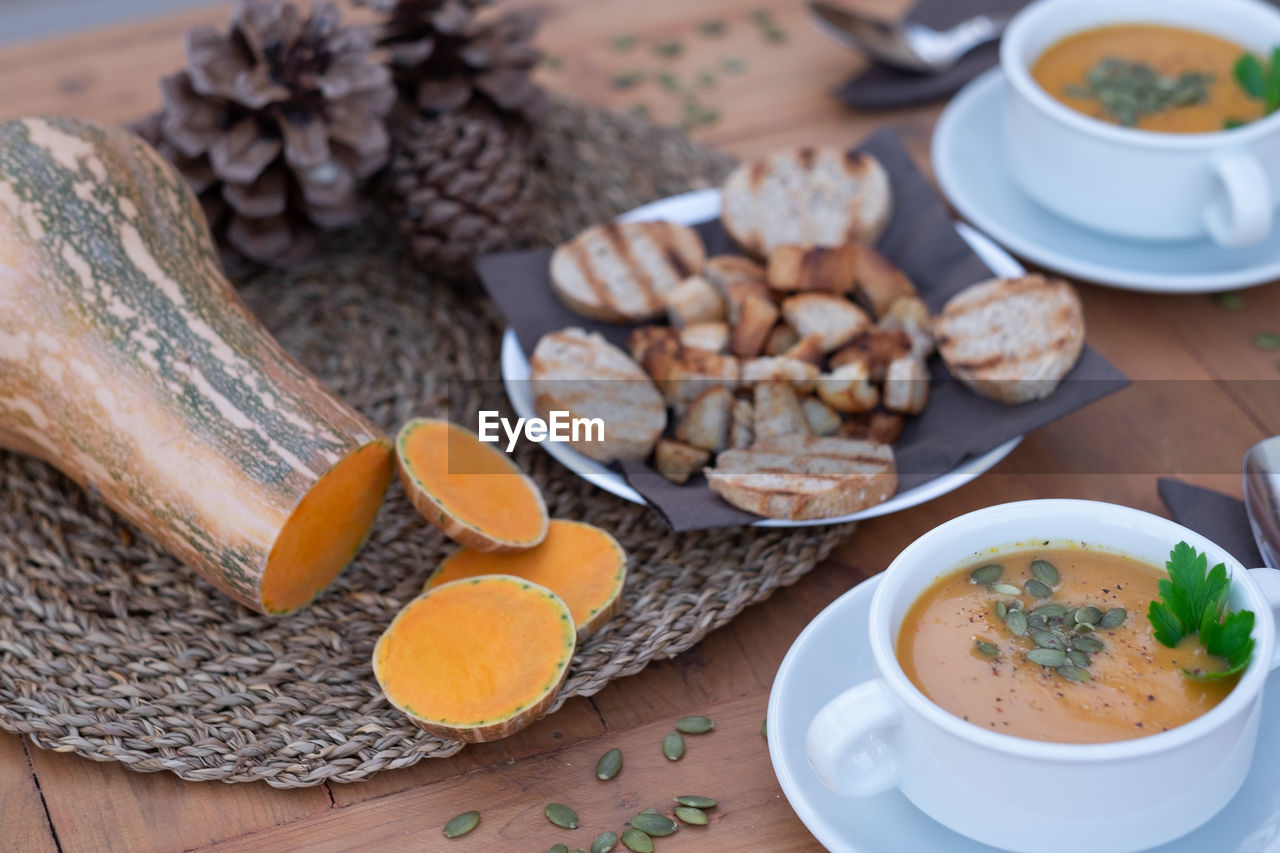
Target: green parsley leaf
1271, 89
1251, 76
1193, 599
1233, 123
1167, 629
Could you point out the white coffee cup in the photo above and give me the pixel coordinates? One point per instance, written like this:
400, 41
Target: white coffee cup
1029, 795
1135, 183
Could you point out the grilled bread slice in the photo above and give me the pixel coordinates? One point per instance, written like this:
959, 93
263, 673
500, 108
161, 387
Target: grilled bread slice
806, 197
1012, 339
621, 272
581, 373
834, 319
805, 476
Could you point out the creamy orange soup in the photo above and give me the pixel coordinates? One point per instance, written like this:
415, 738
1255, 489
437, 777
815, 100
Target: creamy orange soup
1135, 685
1064, 72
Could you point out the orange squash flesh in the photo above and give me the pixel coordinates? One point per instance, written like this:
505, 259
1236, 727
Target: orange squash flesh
326, 528
579, 562
476, 659
469, 489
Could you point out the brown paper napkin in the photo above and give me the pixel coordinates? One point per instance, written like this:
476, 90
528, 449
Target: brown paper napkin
922, 240
1215, 516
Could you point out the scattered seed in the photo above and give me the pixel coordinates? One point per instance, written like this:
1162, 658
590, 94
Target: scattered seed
1017, 622
775, 34
561, 815
1044, 571
1049, 640
669, 81
668, 49
1038, 588
625, 41
462, 824
1229, 301
627, 80
1071, 672
987, 649
696, 802
559, 848
1088, 615
609, 765
1087, 644
694, 725
712, 29
1112, 619
1049, 611
604, 842
552, 62
1005, 589
636, 840
673, 746
706, 79
733, 65
692, 815
1002, 610
650, 810
989, 573
654, 825
1047, 657
639, 110
1078, 658
1266, 340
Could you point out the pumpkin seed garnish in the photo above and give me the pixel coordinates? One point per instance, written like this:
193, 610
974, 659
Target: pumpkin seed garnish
1082, 628
461, 824
1017, 622
673, 746
559, 848
696, 802
1078, 658
1038, 588
1049, 640
609, 765
604, 842
654, 825
1113, 619
636, 840
989, 573
1071, 672
692, 815
1044, 571
987, 649
694, 725
1037, 622
1005, 589
1089, 615
1047, 657
1048, 611
1088, 644
1015, 605
1002, 610
650, 810
561, 815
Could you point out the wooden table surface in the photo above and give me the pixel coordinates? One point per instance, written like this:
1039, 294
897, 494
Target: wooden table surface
1203, 393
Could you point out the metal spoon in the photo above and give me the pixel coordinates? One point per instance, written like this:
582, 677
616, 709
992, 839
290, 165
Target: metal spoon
906, 44
1262, 497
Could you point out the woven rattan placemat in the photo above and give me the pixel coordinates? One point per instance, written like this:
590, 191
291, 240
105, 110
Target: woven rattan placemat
111, 649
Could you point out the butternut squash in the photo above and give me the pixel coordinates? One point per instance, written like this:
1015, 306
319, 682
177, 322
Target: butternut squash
579, 562
469, 489
477, 659
128, 362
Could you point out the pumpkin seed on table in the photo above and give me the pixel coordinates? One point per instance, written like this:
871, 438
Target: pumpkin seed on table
1017, 622
1113, 619
1088, 615
650, 810
636, 840
1038, 588
559, 848
1047, 657
561, 815
673, 746
987, 574
694, 725
1005, 589
692, 815
1088, 644
461, 824
609, 765
604, 842
654, 825
987, 649
1044, 571
696, 802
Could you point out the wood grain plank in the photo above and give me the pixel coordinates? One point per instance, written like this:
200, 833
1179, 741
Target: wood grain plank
26, 827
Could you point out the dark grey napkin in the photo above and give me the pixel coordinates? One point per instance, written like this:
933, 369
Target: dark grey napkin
1215, 516
921, 239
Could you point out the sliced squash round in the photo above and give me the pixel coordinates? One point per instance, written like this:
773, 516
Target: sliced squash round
476, 659
469, 489
579, 562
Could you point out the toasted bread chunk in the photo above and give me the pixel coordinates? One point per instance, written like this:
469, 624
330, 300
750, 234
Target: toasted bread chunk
848, 388
693, 300
805, 476
878, 426
621, 272
580, 372
756, 317
834, 319
878, 282
713, 336
806, 197
777, 410
725, 270
643, 338
823, 420
1012, 339
808, 348
706, 420
801, 374
824, 268
781, 339
875, 349
906, 386
740, 292
678, 461
689, 372
910, 315
742, 429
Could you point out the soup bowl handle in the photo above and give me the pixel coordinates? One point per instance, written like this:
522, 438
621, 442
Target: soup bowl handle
1268, 580
851, 743
1242, 217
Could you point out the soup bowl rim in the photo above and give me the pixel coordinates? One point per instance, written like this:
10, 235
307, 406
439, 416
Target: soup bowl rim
1018, 72
902, 573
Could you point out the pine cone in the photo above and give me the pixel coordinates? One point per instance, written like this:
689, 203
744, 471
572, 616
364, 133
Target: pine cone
276, 124
462, 186
445, 56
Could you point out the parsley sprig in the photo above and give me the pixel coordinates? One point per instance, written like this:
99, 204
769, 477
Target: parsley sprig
1194, 600
1260, 80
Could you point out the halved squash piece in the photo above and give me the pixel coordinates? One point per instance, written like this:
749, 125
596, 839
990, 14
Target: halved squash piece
469, 489
477, 659
579, 562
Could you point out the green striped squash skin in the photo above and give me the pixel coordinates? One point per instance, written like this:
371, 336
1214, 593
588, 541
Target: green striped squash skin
128, 361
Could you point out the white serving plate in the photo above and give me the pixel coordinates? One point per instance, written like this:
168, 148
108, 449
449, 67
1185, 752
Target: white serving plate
699, 206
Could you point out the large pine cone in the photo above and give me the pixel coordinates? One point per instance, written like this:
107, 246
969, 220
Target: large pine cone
462, 187
276, 124
446, 56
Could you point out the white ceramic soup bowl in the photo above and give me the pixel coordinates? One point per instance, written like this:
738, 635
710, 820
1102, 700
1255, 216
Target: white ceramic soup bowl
1029, 795
1136, 183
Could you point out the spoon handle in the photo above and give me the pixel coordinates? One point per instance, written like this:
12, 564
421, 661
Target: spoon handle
970, 33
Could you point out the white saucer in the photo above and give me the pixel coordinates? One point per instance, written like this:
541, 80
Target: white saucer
833, 653
699, 206
969, 162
